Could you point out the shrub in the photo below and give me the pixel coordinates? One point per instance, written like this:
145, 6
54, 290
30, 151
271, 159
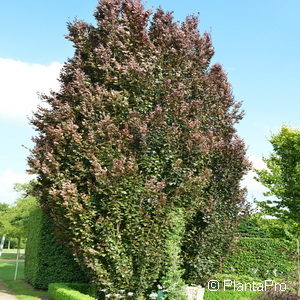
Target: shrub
263, 258
47, 260
69, 291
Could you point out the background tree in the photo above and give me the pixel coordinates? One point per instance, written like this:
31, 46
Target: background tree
15, 218
282, 178
3, 207
141, 126
3, 210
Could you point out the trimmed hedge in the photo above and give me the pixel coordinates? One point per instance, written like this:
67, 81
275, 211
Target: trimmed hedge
69, 291
263, 258
47, 260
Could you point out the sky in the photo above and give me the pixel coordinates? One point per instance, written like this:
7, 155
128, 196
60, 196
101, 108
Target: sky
257, 42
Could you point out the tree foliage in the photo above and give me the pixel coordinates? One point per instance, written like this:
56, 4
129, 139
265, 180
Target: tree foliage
14, 221
141, 125
3, 211
282, 176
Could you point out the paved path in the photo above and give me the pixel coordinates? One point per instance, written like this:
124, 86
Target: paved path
3, 259
5, 294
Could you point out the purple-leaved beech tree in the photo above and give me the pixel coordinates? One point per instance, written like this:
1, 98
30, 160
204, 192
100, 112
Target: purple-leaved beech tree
141, 125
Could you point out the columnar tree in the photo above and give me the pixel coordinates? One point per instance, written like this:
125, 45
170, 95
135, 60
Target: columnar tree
141, 126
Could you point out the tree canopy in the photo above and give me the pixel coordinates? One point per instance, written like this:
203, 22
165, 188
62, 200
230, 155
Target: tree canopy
14, 218
282, 176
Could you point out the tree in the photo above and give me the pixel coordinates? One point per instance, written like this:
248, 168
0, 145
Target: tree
3, 207
141, 126
3, 211
15, 220
282, 178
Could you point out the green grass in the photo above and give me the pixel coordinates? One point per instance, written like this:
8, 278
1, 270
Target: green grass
24, 291
11, 256
7, 270
19, 287
228, 295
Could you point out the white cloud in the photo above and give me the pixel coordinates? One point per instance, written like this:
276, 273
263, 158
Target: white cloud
20, 82
8, 178
255, 189
257, 162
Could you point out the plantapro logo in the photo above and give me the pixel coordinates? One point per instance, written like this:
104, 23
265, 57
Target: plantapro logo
215, 285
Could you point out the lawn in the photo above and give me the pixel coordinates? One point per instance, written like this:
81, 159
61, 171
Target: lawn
229, 294
7, 270
20, 288
24, 291
11, 256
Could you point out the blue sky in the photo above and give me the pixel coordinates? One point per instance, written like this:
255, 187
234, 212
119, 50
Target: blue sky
257, 42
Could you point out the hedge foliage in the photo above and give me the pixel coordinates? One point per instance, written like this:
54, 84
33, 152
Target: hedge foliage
264, 258
47, 260
69, 291
256, 226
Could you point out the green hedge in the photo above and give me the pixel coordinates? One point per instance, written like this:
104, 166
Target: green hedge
263, 258
47, 260
69, 291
